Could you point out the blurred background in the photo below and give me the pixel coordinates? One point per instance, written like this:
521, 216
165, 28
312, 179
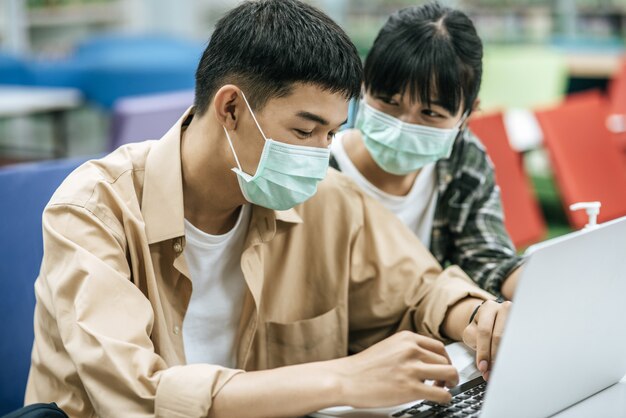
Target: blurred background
80, 77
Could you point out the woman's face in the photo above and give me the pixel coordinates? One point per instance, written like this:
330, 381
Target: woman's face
400, 107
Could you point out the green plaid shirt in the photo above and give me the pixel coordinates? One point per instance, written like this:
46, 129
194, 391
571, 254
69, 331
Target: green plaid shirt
468, 228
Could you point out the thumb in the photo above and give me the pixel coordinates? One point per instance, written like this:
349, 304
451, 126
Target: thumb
470, 334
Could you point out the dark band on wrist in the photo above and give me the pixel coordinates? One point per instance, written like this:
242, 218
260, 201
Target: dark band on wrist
499, 300
475, 311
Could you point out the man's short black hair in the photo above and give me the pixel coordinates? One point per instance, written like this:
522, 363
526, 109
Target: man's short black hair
265, 46
429, 51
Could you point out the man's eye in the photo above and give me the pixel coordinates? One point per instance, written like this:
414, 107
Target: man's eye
303, 134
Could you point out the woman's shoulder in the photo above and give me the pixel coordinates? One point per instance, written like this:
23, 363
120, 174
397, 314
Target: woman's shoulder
469, 153
472, 143
469, 170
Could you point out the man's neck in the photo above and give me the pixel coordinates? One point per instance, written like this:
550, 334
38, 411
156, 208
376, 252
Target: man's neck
211, 193
363, 161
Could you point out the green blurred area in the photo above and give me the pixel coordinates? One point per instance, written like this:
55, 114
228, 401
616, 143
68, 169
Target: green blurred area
551, 205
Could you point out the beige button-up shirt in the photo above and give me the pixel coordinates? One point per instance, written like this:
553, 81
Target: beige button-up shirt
332, 276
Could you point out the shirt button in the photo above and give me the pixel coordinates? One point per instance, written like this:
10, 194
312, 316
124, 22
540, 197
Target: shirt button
178, 247
448, 178
176, 330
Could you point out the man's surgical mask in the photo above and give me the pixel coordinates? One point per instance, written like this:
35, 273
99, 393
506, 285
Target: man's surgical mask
401, 148
286, 176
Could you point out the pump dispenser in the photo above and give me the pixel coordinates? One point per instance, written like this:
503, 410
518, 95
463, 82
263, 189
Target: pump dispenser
592, 209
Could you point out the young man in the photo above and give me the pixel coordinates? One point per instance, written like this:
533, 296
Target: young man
178, 280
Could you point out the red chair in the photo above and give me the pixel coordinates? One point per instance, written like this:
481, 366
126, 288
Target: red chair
584, 97
522, 216
617, 108
586, 161
617, 90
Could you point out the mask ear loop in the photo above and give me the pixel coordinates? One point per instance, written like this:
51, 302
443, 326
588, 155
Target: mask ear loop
463, 119
230, 142
253, 116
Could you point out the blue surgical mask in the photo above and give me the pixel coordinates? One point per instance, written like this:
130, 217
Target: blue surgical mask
286, 176
399, 147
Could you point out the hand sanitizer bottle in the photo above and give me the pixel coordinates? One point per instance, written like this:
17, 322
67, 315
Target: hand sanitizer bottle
592, 209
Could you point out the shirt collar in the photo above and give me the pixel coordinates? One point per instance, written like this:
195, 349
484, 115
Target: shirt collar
162, 201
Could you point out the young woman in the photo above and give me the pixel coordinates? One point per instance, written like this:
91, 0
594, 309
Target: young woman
412, 151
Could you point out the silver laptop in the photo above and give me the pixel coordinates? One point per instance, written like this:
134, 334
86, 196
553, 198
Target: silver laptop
565, 337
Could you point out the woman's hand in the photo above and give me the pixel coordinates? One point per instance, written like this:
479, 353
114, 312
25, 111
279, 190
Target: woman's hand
484, 333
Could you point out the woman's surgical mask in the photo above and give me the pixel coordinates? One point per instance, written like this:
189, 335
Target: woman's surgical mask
286, 175
399, 147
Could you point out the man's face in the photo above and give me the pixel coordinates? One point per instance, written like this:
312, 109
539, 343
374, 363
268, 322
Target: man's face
309, 116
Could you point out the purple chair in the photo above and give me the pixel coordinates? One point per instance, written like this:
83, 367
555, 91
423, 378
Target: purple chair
147, 117
26, 189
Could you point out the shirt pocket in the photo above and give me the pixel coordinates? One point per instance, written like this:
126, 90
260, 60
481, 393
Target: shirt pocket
323, 337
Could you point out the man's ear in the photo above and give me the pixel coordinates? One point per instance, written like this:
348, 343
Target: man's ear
228, 104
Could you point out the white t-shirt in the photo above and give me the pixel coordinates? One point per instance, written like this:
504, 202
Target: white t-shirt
416, 209
214, 261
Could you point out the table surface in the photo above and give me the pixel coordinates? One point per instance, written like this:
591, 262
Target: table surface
593, 65
609, 403
23, 100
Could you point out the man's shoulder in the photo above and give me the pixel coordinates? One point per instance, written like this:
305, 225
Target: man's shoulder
338, 186
120, 172
338, 199
335, 197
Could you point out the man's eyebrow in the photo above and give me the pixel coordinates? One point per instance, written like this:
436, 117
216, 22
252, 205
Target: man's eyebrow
316, 118
312, 117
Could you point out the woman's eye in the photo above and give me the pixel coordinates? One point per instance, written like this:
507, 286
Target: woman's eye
430, 113
388, 100
303, 134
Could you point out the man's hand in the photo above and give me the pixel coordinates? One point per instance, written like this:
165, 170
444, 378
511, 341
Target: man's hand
485, 333
394, 371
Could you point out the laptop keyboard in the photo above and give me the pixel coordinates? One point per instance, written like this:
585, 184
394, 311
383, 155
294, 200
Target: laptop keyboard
467, 400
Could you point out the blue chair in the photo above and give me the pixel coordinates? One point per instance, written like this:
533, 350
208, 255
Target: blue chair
109, 67
25, 189
13, 70
353, 108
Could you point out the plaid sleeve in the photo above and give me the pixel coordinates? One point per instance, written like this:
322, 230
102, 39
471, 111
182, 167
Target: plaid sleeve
482, 247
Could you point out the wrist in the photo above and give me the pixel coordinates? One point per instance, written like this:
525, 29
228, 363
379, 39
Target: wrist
477, 308
458, 316
510, 283
337, 381
474, 312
